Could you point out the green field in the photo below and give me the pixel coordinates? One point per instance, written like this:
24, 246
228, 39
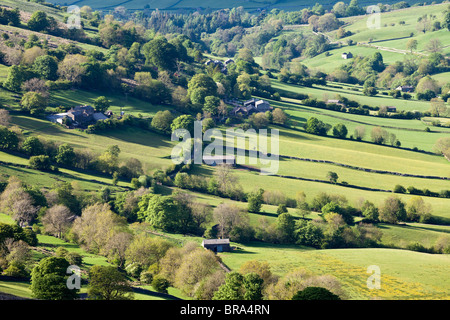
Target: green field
404, 274
150, 148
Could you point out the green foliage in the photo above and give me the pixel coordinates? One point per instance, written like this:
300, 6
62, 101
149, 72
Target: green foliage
240, 287
161, 53
315, 293
108, 283
162, 121
49, 278
160, 284
255, 200
102, 104
66, 155
184, 121
33, 102
38, 21
32, 146
8, 139
42, 162
316, 126
46, 67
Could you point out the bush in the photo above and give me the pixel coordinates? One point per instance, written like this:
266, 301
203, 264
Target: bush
41, 162
160, 284
74, 258
399, 189
315, 293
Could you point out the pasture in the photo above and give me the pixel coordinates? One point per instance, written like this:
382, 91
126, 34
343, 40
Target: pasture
404, 274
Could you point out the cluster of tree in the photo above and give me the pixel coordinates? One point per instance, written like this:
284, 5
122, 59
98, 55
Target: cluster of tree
299, 74
378, 135
421, 192
15, 251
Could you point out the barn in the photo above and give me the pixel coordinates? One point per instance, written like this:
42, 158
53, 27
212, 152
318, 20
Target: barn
217, 245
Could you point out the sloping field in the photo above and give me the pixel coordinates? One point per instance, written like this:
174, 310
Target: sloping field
404, 274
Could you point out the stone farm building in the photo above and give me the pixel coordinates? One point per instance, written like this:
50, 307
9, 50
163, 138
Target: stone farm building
252, 106
79, 116
217, 245
219, 159
405, 88
347, 55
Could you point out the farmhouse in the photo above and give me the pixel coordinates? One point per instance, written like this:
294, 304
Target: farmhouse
218, 63
347, 55
215, 160
405, 88
217, 245
391, 109
79, 116
252, 106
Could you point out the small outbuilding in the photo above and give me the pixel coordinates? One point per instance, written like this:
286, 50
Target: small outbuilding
217, 245
347, 55
219, 159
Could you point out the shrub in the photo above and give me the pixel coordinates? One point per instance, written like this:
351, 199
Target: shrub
41, 162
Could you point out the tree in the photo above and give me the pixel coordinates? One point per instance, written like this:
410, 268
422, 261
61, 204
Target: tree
73, 67
286, 226
332, 177
228, 216
240, 287
38, 21
442, 146
340, 131
66, 155
145, 251
446, 21
14, 79
211, 105
5, 118
162, 121
438, 108
195, 266
41, 162
279, 116
46, 67
255, 201
392, 210
161, 53
369, 211
108, 283
359, 133
32, 146
102, 104
411, 45
434, 45
33, 102
427, 84
201, 86
309, 234
418, 210
96, 226
316, 126
184, 121
8, 139
160, 284
379, 135
49, 280
315, 293
57, 220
